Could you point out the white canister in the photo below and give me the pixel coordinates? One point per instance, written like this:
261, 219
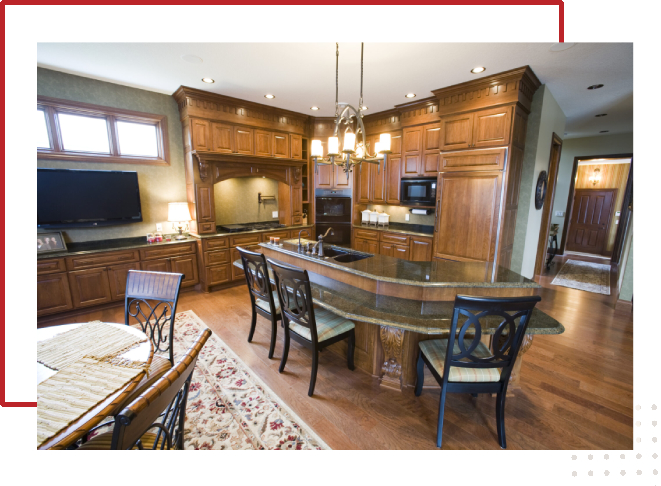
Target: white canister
384, 218
366, 215
374, 217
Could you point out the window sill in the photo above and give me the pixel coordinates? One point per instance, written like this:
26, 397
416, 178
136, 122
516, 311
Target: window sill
108, 159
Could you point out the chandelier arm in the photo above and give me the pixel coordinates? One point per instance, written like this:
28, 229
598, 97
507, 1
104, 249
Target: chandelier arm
337, 70
360, 104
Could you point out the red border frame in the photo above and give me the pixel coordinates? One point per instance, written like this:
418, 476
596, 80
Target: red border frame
3, 402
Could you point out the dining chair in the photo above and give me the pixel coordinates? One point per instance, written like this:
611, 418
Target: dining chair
314, 328
262, 299
471, 367
162, 407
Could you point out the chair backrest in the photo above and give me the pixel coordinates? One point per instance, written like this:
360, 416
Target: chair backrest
257, 276
507, 337
169, 394
293, 286
151, 299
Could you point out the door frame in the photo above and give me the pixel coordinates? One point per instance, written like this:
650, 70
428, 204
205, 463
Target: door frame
572, 187
547, 210
614, 190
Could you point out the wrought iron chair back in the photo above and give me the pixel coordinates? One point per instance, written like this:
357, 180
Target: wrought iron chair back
295, 294
507, 337
166, 398
257, 277
151, 300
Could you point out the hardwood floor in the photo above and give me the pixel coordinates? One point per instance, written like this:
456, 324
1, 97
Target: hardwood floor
577, 388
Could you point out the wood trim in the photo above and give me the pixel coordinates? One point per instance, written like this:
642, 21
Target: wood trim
624, 305
625, 210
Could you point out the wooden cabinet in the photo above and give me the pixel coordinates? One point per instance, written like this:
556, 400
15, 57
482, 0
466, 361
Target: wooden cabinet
296, 146
186, 265
480, 129
331, 177
201, 139
89, 287
215, 243
420, 150
420, 249
431, 147
364, 183
393, 180
263, 143
467, 208
51, 266
411, 151
79, 262
367, 246
218, 274
220, 257
151, 253
281, 145
297, 205
243, 140
53, 294
222, 138
473, 160
393, 250
117, 276
206, 213
159, 265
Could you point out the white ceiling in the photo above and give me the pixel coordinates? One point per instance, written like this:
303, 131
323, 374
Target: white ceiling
302, 75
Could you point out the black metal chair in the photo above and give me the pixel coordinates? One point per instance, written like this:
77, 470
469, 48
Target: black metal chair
314, 328
471, 367
263, 301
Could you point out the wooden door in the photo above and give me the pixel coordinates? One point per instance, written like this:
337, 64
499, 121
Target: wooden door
89, 287
117, 275
364, 181
296, 146
590, 220
206, 213
378, 184
324, 177
187, 265
160, 265
201, 138
53, 294
393, 180
467, 209
243, 140
263, 143
457, 132
296, 201
340, 179
401, 251
491, 128
367, 246
281, 145
421, 249
411, 152
387, 249
431, 146
222, 137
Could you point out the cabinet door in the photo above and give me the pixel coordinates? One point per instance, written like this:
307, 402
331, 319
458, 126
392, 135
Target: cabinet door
340, 179
364, 181
421, 249
281, 145
431, 146
411, 152
222, 138
457, 132
467, 215
117, 275
378, 184
393, 179
401, 251
297, 201
53, 294
263, 143
218, 274
205, 204
296, 146
387, 249
89, 287
324, 177
396, 144
160, 265
243, 141
470, 160
492, 127
186, 264
201, 137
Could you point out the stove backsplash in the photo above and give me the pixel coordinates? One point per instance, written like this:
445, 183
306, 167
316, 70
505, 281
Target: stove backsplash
236, 200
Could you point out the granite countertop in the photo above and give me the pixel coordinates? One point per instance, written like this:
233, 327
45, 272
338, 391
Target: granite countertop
438, 273
99, 246
409, 229
284, 228
410, 315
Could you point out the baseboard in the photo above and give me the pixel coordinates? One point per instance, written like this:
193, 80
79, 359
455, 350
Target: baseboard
624, 305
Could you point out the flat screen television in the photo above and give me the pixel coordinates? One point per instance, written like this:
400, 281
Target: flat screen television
68, 198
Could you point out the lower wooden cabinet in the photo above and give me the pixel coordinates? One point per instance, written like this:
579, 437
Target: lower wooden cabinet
396, 245
89, 287
421, 249
393, 250
218, 274
367, 246
187, 265
117, 275
159, 265
53, 294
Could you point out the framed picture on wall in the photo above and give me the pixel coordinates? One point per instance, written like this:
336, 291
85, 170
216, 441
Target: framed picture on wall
50, 242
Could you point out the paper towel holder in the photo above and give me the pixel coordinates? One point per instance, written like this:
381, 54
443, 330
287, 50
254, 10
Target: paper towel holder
420, 211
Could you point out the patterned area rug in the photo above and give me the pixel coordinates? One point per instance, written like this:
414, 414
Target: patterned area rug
591, 277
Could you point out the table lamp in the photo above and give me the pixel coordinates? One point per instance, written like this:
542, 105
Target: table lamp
179, 216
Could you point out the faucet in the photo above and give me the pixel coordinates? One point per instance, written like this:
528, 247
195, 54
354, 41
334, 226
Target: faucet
300, 247
320, 252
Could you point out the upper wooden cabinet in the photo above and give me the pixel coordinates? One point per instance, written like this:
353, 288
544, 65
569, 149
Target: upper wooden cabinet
420, 150
332, 177
471, 160
201, 139
263, 143
480, 129
411, 152
296, 146
222, 138
243, 140
281, 145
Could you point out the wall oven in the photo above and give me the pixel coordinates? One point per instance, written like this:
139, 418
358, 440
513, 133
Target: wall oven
333, 210
418, 192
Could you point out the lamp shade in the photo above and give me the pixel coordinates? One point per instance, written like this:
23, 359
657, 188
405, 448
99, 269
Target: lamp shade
333, 145
385, 141
349, 142
178, 211
317, 150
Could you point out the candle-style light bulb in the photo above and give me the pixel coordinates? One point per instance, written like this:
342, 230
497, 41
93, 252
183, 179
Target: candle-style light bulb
317, 150
377, 148
333, 146
349, 142
385, 141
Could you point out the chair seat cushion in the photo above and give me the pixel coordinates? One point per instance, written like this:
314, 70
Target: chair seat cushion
264, 304
104, 441
435, 351
328, 325
159, 366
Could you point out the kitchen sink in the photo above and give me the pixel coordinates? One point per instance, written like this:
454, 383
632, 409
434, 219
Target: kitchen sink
333, 252
350, 257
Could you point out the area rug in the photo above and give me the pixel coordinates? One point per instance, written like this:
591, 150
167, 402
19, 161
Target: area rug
591, 277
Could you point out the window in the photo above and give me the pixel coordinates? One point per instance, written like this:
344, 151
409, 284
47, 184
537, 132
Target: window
74, 131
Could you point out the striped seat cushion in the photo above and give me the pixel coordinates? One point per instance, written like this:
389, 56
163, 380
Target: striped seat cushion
435, 351
328, 325
264, 304
103, 441
159, 366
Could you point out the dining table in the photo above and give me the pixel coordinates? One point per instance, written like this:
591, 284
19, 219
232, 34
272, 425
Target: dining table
144, 352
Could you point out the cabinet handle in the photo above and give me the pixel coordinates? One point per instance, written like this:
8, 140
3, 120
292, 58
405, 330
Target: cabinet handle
126, 257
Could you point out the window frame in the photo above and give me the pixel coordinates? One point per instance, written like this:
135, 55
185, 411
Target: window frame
53, 106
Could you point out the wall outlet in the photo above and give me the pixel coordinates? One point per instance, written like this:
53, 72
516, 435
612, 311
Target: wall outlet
159, 226
274, 214
560, 214
407, 217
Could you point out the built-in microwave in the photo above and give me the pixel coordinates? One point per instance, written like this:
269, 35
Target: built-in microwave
418, 192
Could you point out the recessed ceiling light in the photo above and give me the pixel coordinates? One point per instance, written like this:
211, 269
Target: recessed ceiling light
363, 108
269, 96
562, 46
192, 58
601, 114
208, 80
596, 86
478, 70
410, 95
314, 108
604, 131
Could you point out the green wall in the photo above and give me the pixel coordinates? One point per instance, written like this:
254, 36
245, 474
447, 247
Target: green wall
159, 185
626, 291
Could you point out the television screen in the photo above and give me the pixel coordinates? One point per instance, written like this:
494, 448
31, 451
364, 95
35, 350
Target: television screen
70, 198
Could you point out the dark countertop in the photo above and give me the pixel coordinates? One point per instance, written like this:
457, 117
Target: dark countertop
407, 314
409, 229
99, 246
285, 228
438, 273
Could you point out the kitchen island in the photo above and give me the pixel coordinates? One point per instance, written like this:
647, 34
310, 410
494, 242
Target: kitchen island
396, 303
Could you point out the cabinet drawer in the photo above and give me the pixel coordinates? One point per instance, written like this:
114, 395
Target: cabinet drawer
297, 220
50, 266
252, 239
473, 160
216, 257
206, 227
366, 234
218, 274
283, 235
98, 259
395, 238
167, 251
215, 243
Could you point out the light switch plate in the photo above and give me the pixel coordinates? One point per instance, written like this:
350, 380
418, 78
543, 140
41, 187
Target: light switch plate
560, 214
159, 226
274, 214
617, 213
407, 217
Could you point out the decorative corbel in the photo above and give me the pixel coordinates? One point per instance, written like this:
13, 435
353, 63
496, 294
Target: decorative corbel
203, 167
297, 174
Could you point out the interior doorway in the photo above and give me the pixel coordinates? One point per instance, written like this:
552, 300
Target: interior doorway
590, 220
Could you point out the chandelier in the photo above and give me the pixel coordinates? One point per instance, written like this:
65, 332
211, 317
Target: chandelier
349, 124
